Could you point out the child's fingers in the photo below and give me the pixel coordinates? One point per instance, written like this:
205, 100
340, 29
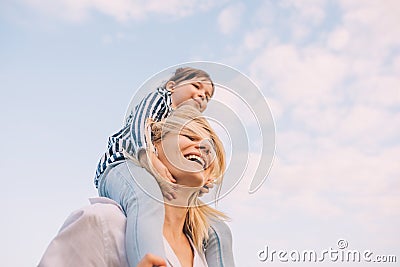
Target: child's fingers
210, 185
206, 187
168, 190
172, 190
173, 195
169, 176
204, 190
168, 196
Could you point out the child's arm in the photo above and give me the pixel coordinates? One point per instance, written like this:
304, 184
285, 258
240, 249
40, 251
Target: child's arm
163, 176
157, 165
151, 107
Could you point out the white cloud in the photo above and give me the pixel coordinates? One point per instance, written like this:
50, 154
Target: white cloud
230, 18
342, 87
310, 10
373, 26
300, 75
276, 107
368, 127
396, 64
292, 19
121, 10
332, 170
337, 99
338, 39
264, 14
110, 38
323, 184
255, 39
306, 15
378, 90
107, 39
73, 10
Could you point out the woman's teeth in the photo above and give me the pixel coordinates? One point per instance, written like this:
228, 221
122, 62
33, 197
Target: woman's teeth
196, 159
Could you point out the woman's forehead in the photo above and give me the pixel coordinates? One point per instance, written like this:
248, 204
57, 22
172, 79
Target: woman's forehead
194, 128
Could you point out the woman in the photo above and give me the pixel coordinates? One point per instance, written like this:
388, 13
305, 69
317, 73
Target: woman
193, 153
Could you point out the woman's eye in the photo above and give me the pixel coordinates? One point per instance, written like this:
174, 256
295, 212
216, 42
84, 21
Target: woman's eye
189, 137
196, 85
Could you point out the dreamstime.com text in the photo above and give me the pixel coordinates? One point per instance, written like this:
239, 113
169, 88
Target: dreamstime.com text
339, 254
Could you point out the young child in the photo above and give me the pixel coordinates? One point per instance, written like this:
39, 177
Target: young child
144, 218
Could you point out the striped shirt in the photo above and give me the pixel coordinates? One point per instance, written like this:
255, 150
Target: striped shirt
131, 138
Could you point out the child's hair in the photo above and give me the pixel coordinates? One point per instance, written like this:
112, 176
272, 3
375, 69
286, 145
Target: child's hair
188, 73
196, 223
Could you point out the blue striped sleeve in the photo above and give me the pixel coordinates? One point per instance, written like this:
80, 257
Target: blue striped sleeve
152, 105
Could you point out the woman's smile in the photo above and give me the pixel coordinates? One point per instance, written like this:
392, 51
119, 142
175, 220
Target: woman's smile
196, 159
188, 155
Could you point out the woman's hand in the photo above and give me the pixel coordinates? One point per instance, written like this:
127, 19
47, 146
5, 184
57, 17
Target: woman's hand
150, 260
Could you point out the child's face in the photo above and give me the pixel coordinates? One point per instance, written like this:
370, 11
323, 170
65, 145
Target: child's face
196, 92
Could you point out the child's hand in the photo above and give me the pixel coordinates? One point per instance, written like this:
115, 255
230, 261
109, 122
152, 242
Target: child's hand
166, 182
206, 188
161, 169
163, 176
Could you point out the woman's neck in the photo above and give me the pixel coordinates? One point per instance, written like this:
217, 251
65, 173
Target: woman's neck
173, 232
174, 221
176, 209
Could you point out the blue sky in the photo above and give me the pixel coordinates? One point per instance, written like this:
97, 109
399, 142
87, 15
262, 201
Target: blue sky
328, 69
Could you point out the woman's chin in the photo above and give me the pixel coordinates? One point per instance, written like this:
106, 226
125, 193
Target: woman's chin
193, 182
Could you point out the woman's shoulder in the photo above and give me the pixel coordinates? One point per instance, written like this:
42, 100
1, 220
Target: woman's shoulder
96, 229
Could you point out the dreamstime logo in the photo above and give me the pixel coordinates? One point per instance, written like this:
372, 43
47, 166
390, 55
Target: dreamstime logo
239, 113
341, 254
342, 244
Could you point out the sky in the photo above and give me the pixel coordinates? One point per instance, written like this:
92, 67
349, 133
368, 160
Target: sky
329, 71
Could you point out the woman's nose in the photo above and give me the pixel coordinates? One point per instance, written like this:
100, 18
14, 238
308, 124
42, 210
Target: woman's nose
204, 149
202, 94
205, 146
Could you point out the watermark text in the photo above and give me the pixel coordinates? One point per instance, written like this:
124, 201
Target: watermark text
339, 254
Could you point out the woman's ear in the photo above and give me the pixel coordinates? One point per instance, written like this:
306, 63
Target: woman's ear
170, 86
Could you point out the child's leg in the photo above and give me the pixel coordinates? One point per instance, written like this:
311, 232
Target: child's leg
145, 215
219, 246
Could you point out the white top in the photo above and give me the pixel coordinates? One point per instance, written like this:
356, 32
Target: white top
91, 236
199, 259
95, 236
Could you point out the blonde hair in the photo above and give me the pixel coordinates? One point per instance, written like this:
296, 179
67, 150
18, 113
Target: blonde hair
198, 213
